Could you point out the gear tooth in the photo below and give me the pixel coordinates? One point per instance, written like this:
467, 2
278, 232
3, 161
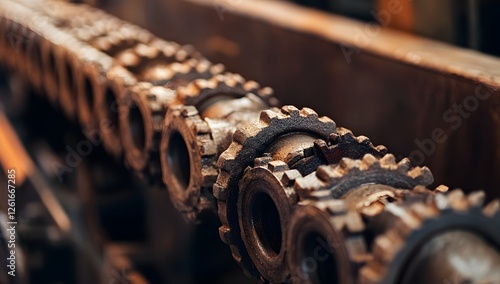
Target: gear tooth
250, 86
329, 122
423, 211
423, 175
266, 92
349, 137
334, 138
277, 166
492, 208
441, 188
239, 136
388, 161
404, 165
200, 84
363, 140
290, 110
217, 68
307, 112
238, 78
324, 173
476, 198
381, 149
289, 177
262, 161
427, 177
231, 81
458, 200
368, 160
267, 116
219, 188
441, 202
347, 164
189, 111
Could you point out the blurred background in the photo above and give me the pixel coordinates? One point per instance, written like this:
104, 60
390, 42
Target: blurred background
392, 70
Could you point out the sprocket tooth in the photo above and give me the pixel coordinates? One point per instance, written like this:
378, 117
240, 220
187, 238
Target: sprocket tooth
277, 166
476, 198
388, 161
404, 165
290, 110
368, 161
289, 177
492, 208
458, 200
267, 116
381, 149
307, 112
442, 188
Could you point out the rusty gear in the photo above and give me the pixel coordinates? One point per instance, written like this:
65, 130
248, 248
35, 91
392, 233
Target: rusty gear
265, 205
227, 85
249, 143
200, 138
144, 111
416, 220
120, 80
349, 174
325, 242
273, 179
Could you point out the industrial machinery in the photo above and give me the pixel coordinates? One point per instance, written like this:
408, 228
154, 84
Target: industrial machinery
134, 156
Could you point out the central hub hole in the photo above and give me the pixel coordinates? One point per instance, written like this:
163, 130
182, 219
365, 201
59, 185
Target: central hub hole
111, 108
318, 262
136, 124
89, 94
178, 159
266, 222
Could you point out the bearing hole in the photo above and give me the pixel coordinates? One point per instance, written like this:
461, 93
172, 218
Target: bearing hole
136, 124
178, 159
266, 223
318, 263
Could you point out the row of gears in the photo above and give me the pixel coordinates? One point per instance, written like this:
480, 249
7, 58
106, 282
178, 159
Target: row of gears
299, 199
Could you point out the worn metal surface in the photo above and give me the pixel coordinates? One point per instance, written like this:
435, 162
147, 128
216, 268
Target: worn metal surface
392, 87
210, 129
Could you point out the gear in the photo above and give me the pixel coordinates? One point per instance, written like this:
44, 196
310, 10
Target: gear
228, 85
363, 185
188, 167
95, 67
430, 221
265, 204
278, 184
340, 144
144, 111
191, 137
248, 144
348, 174
325, 242
106, 107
